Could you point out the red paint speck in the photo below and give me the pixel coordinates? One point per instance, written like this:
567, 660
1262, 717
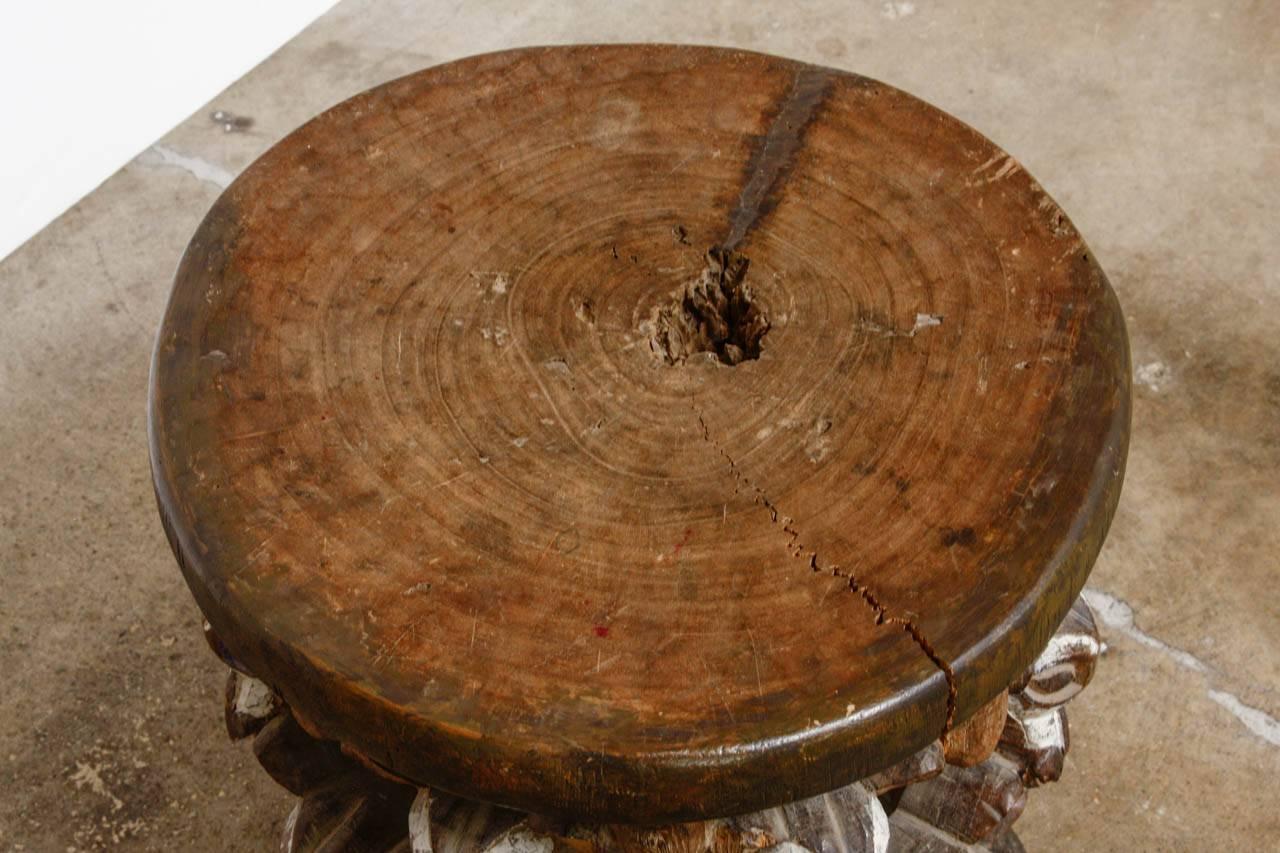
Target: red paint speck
602, 630
688, 534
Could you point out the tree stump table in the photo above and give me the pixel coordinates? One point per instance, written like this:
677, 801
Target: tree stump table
642, 447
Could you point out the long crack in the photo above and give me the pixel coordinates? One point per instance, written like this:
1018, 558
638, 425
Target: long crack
797, 550
774, 154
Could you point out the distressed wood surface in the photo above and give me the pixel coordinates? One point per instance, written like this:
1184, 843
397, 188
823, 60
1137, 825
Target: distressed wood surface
348, 819
1066, 664
922, 765
637, 433
249, 705
955, 797
1036, 735
973, 742
1037, 741
974, 804
909, 834
847, 820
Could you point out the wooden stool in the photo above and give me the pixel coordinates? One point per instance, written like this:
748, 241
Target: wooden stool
634, 436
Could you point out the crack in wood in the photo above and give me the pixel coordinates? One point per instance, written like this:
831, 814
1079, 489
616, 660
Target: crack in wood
775, 152
797, 550
714, 313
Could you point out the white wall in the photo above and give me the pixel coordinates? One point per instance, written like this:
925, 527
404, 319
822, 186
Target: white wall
87, 84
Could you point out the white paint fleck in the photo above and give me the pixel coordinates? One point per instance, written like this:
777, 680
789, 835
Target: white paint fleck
1152, 374
521, 839
1044, 729
924, 321
253, 697
521, 441
292, 821
1255, 720
196, 167
498, 282
1053, 673
91, 775
420, 823
896, 9
879, 824
818, 444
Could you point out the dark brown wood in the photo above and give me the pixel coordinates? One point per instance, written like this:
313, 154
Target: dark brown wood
440, 823
295, 760
347, 803
848, 820
429, 473
974, 804
1007, 842
349, 818
923, 765
217, 646
912, 835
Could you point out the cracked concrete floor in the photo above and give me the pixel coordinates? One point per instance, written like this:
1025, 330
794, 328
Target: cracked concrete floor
1155, 126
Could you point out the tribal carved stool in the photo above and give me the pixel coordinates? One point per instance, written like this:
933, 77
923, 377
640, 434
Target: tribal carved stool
642, 448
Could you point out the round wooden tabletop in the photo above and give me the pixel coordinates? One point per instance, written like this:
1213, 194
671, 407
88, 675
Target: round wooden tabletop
637, 432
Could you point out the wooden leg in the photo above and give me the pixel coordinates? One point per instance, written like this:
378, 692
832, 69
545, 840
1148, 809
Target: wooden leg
961, 793
983, 789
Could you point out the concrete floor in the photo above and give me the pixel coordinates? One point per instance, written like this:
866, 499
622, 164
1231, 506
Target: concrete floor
1154, 125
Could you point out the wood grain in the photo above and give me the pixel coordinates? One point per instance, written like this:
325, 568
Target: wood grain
975, 804
974, 741
428, 476
923, 765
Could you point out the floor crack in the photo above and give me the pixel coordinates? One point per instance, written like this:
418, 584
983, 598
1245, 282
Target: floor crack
197, 167
797, 550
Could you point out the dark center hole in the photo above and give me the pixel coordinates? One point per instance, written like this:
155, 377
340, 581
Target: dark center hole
714, 313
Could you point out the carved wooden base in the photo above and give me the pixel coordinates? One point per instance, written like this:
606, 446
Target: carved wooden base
961, 793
